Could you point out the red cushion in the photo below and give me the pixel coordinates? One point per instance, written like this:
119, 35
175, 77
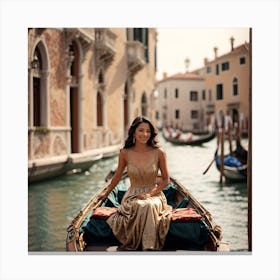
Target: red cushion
104, 212
185, 214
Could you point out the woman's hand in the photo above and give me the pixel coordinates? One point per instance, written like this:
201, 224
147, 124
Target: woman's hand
143, 196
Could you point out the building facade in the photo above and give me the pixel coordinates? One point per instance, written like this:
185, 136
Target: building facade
220, 88
227, 85
85, 86
179, 101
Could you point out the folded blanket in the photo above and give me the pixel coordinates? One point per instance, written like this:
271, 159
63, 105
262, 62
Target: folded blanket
104, 212
185, 214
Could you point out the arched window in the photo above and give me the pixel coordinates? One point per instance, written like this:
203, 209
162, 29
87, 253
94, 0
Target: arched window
144, 105
125, 105
235, 87
235, 116
100, 78
74, 97
99, 109
37, 87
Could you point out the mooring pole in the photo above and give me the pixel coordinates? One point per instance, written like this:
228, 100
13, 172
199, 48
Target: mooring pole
222, 149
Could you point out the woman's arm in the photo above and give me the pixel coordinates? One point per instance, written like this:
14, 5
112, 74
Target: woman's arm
118, 174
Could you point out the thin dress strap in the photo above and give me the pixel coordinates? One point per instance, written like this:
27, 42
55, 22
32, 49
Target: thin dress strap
156, 156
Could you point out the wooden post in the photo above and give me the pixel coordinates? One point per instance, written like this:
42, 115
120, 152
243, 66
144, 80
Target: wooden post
249, 179
222, 150
237, 136
230, 136
217, 132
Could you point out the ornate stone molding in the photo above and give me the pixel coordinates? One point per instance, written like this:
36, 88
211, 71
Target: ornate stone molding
135, 56
104, 47
80, 34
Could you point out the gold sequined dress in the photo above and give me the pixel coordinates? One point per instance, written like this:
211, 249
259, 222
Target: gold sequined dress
141, 224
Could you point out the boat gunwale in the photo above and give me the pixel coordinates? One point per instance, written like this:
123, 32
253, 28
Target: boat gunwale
195, 142
74, 238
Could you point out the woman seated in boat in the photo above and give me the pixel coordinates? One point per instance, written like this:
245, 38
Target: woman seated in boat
143, 218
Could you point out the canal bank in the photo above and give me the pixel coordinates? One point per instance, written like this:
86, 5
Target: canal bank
51, 167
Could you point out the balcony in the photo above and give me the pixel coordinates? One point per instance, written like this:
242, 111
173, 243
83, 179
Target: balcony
210, 105
135, 56
83, 34
233, 105
104, 45
210, 108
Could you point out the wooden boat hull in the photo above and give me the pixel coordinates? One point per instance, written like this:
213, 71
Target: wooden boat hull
195, 142
75, 241
234, 173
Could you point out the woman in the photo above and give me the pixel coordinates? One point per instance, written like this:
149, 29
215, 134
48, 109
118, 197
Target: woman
142, 221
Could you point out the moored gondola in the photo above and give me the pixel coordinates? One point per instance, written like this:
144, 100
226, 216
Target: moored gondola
235, 164
177, 137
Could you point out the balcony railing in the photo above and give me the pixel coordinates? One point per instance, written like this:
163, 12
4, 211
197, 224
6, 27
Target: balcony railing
105, 44
83, 34
135, 56
210, 107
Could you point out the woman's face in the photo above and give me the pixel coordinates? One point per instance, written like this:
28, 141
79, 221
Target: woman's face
142, 133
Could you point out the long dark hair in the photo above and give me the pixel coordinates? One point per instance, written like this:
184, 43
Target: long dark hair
138, 120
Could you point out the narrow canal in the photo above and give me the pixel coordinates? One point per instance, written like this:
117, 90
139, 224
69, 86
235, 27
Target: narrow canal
54, 203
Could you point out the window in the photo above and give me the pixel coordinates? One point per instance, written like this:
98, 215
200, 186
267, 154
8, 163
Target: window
142, 35
210, 95
208, 69
100, 78
217, 69
235, 87
37, 86
219, 92
225, 66
144, 104
36, 102
193, 96
127, 34
176, 93
194, 114
177, 114
203, 95
99, 109
195, 126
165, 93
157, 115
242, 60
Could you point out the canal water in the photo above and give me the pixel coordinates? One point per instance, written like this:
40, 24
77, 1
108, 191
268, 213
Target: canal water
52, 204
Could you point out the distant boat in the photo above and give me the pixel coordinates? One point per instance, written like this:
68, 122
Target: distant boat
235, 164
192, 227
176, 137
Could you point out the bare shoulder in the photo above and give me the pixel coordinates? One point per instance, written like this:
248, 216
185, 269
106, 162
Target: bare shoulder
161, 152
123, 153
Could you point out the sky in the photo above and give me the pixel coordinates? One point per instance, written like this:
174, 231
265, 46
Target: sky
174, 45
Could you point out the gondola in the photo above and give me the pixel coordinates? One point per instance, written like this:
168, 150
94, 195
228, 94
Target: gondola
194, 140
235, 164
192, 227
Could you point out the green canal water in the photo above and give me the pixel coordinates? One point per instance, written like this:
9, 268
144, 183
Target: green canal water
52, 204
